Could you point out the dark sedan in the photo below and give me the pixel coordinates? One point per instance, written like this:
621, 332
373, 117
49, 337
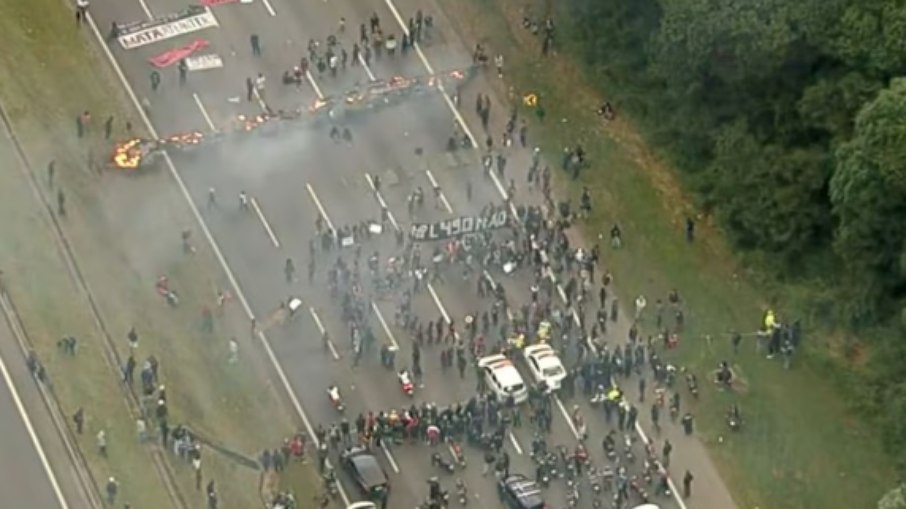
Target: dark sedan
368, 474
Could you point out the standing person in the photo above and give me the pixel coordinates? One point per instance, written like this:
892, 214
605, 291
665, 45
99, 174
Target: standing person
183, 72
61, 203
81, 11
51, 169
498, 63
234, 351
78, 418
101, 439
489, 460
112, 488
256, 45
212, 198
260, 82
687, 484
249, 89
155, 80
108, 127
83, 123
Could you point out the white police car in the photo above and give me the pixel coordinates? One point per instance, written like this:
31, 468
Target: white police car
503, 378
545, 365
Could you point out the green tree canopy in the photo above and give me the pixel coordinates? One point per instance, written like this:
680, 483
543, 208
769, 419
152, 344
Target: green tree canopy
868, 191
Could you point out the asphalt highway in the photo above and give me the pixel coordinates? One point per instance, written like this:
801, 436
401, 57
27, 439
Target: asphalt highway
297, 175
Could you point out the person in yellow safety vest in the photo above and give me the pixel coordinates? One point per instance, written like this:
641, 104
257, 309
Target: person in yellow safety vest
769, 320
544, 330
517, 341
615, 395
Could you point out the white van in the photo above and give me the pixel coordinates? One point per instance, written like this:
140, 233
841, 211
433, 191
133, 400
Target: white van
503, 378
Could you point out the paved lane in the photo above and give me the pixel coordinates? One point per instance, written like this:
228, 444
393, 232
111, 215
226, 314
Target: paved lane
280, 172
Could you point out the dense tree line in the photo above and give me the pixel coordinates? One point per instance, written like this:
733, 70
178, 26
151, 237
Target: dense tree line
787, 119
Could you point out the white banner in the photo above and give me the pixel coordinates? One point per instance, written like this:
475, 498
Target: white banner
168, 30
204, 62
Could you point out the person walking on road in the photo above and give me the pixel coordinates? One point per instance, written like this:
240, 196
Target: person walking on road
256, 45
687, 484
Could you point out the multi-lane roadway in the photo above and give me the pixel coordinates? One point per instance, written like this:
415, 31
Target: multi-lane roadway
301, 174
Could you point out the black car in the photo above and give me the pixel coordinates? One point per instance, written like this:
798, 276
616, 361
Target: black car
366, 471
519, 492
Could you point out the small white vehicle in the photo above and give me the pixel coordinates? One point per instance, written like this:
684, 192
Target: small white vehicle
545, 365
503, 378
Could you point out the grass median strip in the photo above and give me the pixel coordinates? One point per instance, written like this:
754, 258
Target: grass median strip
802, 446
125, 232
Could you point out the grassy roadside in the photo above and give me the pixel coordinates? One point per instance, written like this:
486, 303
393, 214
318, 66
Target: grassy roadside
125, 232
803, 447
34, 269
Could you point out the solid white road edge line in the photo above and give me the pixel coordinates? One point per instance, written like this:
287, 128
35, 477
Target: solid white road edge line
272, 357
267, 226
23, 414
322, 329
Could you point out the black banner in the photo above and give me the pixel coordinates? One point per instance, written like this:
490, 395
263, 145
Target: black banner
460, 226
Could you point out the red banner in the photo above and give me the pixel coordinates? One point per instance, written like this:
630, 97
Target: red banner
214, 3
172, 56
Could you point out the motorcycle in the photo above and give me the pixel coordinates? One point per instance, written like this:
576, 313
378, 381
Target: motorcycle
336, 400
553, 471
599, 397
458, 456
627, 445
462, 493
330, 482
610, 448
638, 489
572, 497
594, 480
406, 384
438, 461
